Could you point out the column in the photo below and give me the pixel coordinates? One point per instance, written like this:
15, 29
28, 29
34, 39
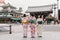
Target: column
43, 17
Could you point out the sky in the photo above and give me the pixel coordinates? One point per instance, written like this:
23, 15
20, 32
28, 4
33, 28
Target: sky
26, 3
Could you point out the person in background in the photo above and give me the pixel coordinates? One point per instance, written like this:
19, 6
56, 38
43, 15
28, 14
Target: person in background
25, 25
32, 25
39, 26
20, 19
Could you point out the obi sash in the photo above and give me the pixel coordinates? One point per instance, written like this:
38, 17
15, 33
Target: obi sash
24, 21
39, 22
32, 21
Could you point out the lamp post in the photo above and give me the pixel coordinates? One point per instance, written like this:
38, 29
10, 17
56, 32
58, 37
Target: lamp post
57, 7
55, 10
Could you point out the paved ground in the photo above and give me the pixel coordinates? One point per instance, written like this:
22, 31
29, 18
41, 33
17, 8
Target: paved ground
50, 32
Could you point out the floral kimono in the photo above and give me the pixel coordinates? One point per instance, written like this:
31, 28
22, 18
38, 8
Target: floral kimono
32, 26
25, 26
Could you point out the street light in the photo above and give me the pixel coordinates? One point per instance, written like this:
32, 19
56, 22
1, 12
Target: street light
55, 10
57, 7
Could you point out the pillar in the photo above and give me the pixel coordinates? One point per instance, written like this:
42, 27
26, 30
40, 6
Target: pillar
43, 17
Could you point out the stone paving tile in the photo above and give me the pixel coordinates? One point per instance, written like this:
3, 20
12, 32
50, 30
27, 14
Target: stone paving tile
48, 34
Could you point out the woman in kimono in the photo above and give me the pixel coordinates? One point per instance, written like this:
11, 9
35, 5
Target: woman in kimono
39, 26
32, 25
25, 25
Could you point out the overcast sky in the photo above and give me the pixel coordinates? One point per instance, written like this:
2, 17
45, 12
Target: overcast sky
25, 3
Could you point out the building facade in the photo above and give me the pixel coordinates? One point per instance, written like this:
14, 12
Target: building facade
40, 10
8, 12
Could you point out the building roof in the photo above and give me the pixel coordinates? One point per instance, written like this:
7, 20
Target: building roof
17, 12
12, 11
5, 11
8, 5
39, 8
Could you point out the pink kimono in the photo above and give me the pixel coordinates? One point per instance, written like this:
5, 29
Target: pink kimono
32, 27
25, 27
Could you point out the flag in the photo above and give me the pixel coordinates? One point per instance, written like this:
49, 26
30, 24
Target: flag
2, 2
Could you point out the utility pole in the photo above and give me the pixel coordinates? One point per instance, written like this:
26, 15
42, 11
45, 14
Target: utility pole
57, 7
55, 10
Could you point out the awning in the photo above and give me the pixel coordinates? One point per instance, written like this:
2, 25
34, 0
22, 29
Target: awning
16, 18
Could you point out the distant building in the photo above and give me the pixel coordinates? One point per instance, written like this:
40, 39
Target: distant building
8, 13
41, 10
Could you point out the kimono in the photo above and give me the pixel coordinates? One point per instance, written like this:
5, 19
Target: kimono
39, 26
32, 26
25, 26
